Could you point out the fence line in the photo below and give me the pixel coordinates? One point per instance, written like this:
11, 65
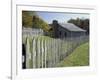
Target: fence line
44, 52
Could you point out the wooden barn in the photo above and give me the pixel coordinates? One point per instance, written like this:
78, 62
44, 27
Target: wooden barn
66, 30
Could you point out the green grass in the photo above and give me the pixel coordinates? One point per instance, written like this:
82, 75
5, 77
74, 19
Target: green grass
79, 57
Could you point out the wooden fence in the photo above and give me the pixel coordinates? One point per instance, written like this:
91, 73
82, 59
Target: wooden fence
46, 52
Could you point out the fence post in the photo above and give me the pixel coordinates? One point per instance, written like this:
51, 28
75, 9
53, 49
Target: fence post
28, 54
45, 51
34, 52
38, 52
42, 52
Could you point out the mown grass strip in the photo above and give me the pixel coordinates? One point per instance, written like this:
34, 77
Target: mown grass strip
79, 57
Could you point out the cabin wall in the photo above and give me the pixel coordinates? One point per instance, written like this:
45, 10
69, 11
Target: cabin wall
60, 32
77, 34
64, 33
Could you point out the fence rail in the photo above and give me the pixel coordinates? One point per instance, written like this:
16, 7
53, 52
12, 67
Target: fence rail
45, 52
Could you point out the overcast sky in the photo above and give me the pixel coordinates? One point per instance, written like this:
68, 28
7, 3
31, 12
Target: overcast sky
61, 17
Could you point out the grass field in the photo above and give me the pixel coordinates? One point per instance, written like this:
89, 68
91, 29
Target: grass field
79, 57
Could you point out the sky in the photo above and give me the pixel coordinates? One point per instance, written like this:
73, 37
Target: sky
61, 17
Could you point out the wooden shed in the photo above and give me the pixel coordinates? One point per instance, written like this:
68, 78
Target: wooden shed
66, 30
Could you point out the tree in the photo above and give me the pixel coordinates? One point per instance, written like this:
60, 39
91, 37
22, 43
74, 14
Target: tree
82, 23
27, 18
30, 19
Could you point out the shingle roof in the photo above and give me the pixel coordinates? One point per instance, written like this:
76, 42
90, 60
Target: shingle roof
71, 27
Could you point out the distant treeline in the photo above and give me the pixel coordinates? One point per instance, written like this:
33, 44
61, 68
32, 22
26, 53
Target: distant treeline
82, 23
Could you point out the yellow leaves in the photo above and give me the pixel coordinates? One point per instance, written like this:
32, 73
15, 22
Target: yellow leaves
32, 20
27, 19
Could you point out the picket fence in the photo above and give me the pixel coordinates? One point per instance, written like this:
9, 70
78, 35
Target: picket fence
46, 52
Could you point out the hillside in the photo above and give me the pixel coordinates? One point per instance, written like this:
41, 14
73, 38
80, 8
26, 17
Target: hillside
79, 57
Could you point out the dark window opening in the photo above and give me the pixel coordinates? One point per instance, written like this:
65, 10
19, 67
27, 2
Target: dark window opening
65, 34
60, 33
